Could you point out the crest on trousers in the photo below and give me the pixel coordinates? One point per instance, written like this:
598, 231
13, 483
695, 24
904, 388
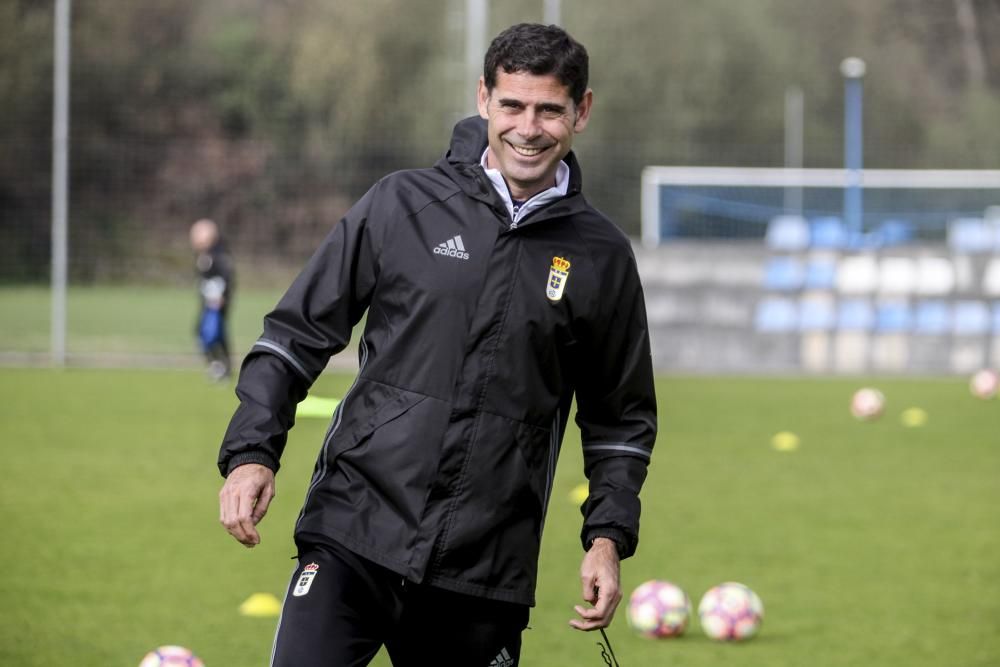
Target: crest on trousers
558, 275
305, 579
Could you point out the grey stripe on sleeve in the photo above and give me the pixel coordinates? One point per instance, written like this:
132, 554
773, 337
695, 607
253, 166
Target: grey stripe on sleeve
617, 447
284, 354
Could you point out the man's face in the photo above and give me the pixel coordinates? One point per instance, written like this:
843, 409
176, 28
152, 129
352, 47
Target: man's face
531, 123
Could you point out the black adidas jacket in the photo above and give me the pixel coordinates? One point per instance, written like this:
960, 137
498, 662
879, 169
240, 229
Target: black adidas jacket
438, 463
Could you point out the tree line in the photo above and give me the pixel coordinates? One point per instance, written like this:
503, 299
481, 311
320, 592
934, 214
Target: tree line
272, 116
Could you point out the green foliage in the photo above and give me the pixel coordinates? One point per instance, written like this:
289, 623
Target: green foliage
273, 117
872, 544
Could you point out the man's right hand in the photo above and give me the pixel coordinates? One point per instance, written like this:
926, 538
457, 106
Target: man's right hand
243, 501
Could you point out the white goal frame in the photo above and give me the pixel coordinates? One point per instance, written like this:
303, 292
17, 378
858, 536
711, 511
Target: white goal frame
653, 177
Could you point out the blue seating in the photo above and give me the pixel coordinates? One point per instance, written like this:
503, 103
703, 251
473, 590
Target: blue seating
855, 315
971, 318
787, 233
894, 232
821, 274
893, 317
776, 315
970, 235
933, 318
783, 273
816, 315
828, 232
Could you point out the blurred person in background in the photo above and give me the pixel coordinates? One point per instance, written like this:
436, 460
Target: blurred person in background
215, 290
494, 293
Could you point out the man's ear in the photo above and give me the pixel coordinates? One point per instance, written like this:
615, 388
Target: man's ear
583, 111
482, 98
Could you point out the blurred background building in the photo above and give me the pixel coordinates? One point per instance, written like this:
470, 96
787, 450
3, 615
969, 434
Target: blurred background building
272, 117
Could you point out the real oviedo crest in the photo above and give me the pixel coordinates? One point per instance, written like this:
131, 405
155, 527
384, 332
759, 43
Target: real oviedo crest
558, 275
309, 573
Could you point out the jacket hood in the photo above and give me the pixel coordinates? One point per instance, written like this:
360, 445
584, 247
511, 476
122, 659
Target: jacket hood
469, 139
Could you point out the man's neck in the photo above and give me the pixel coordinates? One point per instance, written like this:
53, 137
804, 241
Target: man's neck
516, 193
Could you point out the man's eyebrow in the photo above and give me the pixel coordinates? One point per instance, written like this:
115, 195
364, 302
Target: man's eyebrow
547, 106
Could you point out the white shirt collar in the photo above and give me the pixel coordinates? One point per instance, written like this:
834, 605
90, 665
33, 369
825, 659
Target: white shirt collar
544, 197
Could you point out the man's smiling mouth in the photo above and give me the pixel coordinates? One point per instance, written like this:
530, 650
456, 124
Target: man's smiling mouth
527, 151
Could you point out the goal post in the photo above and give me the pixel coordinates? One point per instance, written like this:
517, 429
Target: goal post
736, 202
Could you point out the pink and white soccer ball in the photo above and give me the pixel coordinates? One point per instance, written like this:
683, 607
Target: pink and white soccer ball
171, 656
985, 384
867, 404
659, 609
730, 612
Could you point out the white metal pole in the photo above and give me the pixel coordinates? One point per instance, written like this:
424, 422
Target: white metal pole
794, 124
60, 189
553, 12
853, 70
476, 13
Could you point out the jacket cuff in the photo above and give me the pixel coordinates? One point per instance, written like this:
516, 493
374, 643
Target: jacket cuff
613, 534
252, 456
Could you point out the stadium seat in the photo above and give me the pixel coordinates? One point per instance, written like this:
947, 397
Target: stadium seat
776, 315
855, 315
991, 277
897, 275
893, 317
783, 273
828, 232
894, 232
970, 318
857, 274
932, 318
970, 235
816, 314
996, 319
821, 274
935, 276
787, 233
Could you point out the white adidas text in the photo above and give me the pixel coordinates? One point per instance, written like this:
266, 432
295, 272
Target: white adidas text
453, 247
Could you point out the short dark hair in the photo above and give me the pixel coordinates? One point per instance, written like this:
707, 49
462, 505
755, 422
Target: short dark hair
538, 49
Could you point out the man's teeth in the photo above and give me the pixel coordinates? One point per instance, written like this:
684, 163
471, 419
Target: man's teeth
527, 151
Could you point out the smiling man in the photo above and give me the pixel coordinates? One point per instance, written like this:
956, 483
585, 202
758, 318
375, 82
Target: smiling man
495, 295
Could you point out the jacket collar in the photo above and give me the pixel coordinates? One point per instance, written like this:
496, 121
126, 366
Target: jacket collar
462, 164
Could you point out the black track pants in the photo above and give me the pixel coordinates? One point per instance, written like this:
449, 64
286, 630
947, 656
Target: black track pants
340, 609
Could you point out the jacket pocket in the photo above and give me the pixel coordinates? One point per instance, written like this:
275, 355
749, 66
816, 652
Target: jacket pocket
371, 406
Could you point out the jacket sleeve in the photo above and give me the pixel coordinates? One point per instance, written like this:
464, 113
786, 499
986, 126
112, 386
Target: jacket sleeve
616, 413
312, 322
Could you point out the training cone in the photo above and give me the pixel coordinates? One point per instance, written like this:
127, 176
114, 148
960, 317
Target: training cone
913, 417
785, 441
261, 605
316, 406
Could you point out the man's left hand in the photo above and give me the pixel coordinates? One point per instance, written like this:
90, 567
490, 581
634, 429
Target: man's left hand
600, 576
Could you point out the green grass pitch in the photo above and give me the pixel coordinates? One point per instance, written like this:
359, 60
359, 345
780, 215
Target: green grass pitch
872, 544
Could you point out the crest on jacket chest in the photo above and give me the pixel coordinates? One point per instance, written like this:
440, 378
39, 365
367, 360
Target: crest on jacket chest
558, 275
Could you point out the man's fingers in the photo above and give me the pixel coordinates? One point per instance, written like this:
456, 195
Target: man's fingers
243, 501
245, 520
590, 619
232, 516
263, 500
589, 587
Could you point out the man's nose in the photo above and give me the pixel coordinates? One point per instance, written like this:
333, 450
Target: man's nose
529, 125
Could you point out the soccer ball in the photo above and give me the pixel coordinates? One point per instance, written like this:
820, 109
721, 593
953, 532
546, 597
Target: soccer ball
867, 404
658, 609
171, 656
730, 611
984, 384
